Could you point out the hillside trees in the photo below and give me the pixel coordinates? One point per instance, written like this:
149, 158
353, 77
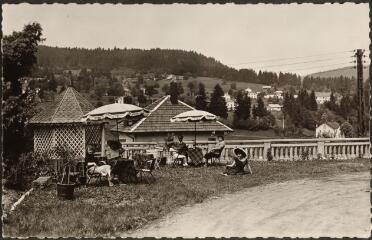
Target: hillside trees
313, 105
218, 103
243, 107
187, 63
173, 91
300, 111
201, 98
191, 86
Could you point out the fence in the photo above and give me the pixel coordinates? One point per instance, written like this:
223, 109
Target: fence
279, 149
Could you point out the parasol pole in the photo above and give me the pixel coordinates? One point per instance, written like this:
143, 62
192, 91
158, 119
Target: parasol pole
103, 140
195, 135
117, 129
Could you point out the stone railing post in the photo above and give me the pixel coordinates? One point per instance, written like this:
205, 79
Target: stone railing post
267, 146
320, 148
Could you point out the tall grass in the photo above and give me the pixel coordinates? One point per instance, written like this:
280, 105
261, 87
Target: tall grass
108, 211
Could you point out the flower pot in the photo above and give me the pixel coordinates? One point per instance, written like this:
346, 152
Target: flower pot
65, 191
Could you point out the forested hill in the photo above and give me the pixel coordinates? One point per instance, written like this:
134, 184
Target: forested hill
347, 72
170, 61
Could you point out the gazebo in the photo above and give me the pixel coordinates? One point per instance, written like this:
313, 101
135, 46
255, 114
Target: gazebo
61, 125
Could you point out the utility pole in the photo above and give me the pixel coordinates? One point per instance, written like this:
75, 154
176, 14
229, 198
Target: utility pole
359, 60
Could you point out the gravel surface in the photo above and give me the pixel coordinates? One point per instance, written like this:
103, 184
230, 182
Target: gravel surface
336, 206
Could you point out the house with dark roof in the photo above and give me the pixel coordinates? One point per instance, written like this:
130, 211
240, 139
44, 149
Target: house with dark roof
328, 130
157, 125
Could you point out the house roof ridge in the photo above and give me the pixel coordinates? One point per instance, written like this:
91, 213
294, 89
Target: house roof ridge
59, 104
77, 101
154, 109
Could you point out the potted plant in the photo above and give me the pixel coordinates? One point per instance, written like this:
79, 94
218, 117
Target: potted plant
65, 187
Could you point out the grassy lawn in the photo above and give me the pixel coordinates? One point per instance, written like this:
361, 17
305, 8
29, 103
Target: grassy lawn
109, 211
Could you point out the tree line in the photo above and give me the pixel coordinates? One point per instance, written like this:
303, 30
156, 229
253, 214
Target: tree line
179, 62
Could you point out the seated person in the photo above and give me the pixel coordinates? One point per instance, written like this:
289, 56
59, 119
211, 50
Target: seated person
89, 155
181, 149
237, 167
114, 150
216, 150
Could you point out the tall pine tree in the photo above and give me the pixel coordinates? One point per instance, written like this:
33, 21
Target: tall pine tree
201, 98
313, 106
173, 91
261, 109
218, 103
243, 107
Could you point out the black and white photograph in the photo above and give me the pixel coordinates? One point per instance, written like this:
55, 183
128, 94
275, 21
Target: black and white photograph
186, 120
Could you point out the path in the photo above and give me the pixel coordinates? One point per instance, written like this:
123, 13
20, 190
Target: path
336, 206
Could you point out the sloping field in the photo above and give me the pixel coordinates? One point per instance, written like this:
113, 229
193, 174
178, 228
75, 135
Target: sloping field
210, 83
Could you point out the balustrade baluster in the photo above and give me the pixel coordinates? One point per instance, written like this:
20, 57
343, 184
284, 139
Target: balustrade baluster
291, 153
286, 153
280, 153
357, 151
348, 151
366, 151
295, 156
354, 155
314, 153
274, 154
343, 156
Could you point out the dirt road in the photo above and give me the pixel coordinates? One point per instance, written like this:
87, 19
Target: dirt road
336, 206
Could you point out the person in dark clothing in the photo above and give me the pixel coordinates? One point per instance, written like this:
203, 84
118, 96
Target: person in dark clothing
89, 155
237, 167
181, 148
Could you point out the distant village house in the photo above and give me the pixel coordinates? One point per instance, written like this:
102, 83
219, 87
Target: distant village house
274, 107
328, 130
230, 102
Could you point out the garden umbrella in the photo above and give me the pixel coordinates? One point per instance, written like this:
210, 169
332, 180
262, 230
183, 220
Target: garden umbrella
114, 111
194, 116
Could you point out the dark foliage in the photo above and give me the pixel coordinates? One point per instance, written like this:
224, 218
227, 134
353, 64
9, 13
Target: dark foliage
179, 62
173, 91
201, 98
218, 103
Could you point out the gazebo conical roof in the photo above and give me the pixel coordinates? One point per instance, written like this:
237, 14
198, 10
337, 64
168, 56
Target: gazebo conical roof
69, 107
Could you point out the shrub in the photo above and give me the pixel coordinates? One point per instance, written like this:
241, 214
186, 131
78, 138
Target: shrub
29, 167
305, 154
269, 155
347, 130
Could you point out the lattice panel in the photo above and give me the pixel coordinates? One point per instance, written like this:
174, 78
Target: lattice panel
71, 137
93, 134
43, 140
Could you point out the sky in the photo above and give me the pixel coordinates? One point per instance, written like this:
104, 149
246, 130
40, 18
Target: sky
296, 38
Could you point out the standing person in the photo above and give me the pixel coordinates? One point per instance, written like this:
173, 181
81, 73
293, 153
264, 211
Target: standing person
182, 148
216, 150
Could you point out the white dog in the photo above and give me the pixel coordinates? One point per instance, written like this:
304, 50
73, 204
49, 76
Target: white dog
102, 171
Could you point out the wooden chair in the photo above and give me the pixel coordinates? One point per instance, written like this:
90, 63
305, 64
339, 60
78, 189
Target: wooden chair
177, 158
147, 170
217, 157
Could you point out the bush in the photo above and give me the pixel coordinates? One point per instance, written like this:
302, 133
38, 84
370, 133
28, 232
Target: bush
269, 155
29, 167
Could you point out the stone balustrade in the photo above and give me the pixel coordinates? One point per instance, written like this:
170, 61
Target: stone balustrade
279, 149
